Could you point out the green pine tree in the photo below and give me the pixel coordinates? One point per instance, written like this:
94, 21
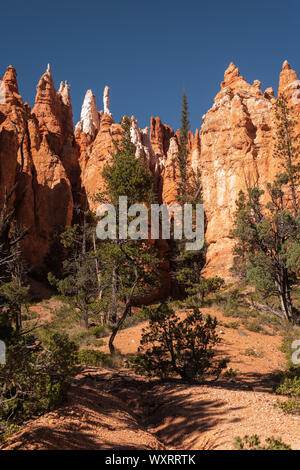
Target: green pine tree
127, 267
79, 282
182, 158
186, 266
35, 377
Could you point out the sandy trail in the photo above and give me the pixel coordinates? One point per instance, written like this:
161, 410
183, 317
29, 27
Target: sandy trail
116, 409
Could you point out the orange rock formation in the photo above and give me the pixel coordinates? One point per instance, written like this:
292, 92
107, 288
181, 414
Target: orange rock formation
61, 166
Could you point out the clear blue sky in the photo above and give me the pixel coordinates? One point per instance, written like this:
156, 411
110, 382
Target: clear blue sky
147, 51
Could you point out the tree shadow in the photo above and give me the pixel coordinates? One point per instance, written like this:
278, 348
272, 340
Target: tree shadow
172, 410
114, 409
91, 420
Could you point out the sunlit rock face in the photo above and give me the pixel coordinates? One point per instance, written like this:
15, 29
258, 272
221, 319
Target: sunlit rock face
89, 119
289, 85
106, 101
98, 154
62, 166
44, 188
236, 147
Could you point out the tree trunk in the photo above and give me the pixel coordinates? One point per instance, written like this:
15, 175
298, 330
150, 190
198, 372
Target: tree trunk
18, 319
86, 319
200, 297
113, 307
97, 270
286, 307
116, 329
285, 297
126, 311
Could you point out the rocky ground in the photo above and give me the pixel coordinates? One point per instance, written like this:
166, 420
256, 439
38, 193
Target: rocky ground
116, 409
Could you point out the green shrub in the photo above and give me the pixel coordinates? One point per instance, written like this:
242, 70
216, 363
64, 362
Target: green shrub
6, 430
230, 374
173, 347
135, 319
290, 406
232, 301
35, 378
100, 331
290, 387
255, 326
290, 378
84, 338
139, 363
232, 324
91, 357
252, 352
253, 443
96, 358
90, 337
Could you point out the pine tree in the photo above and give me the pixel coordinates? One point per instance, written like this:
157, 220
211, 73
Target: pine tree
79, 282
128, 267
13, 291
170, 346
186, 266
182, 158
189, 180
35, 377
268, 234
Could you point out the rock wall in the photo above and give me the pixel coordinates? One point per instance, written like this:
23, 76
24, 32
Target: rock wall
44, 186
62, 167
236, 146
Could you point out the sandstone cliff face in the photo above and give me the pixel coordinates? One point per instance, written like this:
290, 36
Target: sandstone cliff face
62, 166
96, 134
43, 184
236, 146
290, 86
98, 155
87, 128
53, 111
12, 118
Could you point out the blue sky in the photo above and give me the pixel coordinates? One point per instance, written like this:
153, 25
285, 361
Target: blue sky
147, 51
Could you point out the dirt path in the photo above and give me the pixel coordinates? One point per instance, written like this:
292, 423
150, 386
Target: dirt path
196, 417
93, 419
116, 409
236, 344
